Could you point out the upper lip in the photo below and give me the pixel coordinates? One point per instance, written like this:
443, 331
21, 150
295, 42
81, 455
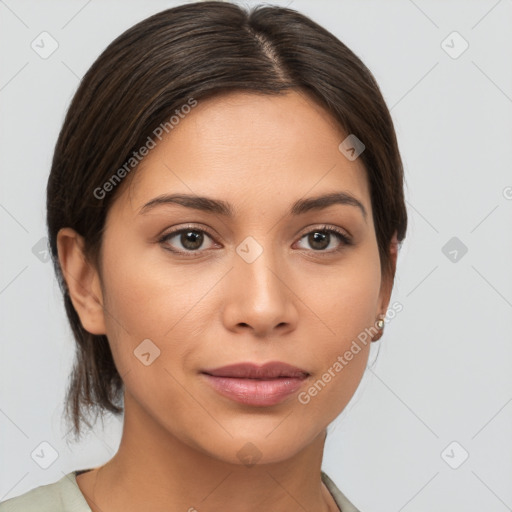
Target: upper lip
272, 370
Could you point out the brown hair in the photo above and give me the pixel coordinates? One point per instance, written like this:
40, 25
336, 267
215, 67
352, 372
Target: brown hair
199, 50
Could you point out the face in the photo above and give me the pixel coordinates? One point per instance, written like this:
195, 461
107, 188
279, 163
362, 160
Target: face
264, 279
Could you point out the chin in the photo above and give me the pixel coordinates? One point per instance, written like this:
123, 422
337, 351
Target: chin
252, 446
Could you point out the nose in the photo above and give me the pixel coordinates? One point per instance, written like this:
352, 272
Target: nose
260, 297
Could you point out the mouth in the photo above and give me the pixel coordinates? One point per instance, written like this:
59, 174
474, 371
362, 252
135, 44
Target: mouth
255, 385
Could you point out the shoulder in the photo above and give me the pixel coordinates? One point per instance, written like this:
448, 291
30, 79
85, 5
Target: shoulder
61, 496
344, 504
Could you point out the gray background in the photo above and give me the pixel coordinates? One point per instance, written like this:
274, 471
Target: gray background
443, 372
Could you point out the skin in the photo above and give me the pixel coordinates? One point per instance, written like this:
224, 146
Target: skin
295, 303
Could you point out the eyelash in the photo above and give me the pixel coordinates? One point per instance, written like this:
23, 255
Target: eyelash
342, 237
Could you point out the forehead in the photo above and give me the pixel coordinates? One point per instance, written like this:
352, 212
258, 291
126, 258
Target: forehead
252, 150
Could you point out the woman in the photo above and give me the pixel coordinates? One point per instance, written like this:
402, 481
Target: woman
224, 211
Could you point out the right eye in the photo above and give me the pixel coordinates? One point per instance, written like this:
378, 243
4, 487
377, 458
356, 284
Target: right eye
191, 240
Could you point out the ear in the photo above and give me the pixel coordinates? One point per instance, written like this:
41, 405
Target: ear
387, 282
83, 281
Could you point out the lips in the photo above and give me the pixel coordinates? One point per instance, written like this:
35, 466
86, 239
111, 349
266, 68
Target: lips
255, 385
272, 370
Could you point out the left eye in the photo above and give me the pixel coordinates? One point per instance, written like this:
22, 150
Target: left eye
320, 239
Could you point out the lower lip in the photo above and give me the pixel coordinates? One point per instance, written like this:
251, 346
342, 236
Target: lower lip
255, 391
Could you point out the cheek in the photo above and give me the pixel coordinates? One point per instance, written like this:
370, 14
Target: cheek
345, 308
345, 299
148, 297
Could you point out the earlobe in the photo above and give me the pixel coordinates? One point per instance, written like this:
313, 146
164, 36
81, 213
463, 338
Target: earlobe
82, 280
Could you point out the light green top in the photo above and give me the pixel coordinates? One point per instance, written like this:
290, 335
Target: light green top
65, 496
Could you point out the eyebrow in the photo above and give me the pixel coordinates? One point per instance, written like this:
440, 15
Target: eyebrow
223, 208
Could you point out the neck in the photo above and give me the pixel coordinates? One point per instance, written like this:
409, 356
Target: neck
155, 470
